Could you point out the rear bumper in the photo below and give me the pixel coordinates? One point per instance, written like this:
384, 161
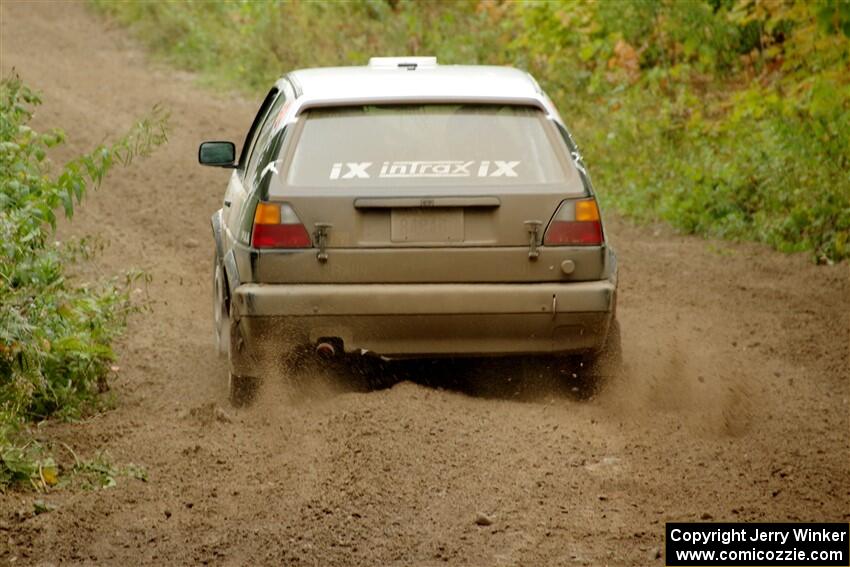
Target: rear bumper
406, 320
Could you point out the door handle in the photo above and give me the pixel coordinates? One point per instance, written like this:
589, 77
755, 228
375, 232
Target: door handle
227, 202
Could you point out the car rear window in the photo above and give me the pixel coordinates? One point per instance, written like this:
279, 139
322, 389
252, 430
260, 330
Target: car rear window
426, 145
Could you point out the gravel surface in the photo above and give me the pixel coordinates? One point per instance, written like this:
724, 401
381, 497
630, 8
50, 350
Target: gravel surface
733, 407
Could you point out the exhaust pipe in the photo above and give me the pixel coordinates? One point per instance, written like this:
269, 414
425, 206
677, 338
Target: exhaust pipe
325, 350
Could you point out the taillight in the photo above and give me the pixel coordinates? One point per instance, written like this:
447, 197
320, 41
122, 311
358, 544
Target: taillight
277, 226
576, 223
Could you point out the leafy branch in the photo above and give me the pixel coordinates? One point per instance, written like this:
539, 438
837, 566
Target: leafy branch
55, 334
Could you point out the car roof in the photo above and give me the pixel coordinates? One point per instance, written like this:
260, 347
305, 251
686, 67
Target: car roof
407, 80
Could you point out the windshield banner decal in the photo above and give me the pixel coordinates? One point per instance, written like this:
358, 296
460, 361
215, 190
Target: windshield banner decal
419, 169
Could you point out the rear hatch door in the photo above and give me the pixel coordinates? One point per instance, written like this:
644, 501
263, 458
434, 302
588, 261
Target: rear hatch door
425, 193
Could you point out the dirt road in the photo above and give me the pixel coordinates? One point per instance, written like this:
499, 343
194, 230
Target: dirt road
734, 406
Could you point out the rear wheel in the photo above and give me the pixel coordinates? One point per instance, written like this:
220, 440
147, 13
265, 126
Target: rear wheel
241, 389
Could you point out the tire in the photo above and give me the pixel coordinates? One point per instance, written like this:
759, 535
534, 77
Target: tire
221, 308
241, 389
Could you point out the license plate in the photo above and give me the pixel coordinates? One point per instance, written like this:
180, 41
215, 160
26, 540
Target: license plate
427, 225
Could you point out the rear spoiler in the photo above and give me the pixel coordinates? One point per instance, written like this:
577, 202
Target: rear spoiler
302, 105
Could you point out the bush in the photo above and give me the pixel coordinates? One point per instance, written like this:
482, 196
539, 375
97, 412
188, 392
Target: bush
55, 332
723, 118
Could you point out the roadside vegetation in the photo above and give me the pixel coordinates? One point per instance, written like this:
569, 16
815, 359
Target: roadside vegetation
56, 329
725, 118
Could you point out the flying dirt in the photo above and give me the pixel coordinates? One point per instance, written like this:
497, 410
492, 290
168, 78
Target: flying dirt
733, 405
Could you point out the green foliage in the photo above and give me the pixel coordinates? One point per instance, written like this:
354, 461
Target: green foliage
248, 43
55, 333
99, 473
20, 459
727, 118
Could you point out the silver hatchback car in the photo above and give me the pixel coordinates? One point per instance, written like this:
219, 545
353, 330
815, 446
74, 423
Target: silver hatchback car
408, 209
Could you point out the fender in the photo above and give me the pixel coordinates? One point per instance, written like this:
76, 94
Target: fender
215, 221
231, 272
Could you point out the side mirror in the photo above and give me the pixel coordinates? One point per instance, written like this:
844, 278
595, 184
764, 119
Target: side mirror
217, 154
